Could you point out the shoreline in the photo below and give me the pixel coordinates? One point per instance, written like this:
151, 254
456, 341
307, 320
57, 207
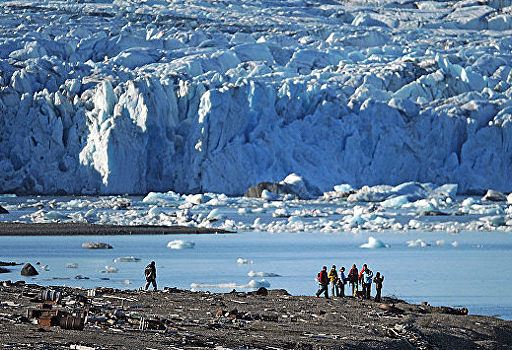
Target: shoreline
264, 319
76, 229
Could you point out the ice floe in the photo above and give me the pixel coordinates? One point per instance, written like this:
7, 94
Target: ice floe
181, 244
374, 243
244, 261
262, 274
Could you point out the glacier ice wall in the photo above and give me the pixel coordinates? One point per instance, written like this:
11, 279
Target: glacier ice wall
128, 97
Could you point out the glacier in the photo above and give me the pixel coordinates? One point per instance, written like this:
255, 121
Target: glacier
122, 96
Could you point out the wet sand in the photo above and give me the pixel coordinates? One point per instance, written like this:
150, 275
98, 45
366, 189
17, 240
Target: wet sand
181, 319
73, 229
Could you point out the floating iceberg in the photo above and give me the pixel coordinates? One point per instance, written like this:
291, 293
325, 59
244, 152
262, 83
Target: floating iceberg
71, 265
262, 274
374, 243
417, 243
110, 269
244, 261
180, 244
126, 259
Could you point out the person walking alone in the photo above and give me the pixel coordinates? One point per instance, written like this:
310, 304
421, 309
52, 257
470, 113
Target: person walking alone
323, 280
378, 285
150, 275
333, 276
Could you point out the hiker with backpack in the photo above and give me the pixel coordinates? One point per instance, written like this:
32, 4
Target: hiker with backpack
150, 275
352, 278
323, 280
333, 276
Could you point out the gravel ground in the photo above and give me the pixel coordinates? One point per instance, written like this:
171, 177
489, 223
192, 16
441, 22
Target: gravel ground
32, 229
180, 319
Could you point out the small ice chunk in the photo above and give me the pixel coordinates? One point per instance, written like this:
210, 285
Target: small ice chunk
110, 269
455, 244
440, 243
215, 214
417, 243
496, 220
281, 213
244, 261
96, 245
395, 202
180, 244
126, 282
262, 274
343, 188
258, 284
126, 259
374, 243
72, 265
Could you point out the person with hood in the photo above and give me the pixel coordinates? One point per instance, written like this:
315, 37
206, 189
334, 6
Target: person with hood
352, 278
323, 280
333, 277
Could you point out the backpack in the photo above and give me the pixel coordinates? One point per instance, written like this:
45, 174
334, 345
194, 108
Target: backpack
320, 276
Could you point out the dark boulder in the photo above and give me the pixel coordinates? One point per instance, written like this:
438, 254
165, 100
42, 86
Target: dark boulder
3, 210
29, 270
494, 196
4, 270
274, 187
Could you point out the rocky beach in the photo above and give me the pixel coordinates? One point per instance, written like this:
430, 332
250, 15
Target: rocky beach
58, 317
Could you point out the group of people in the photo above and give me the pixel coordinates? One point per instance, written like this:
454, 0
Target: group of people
355, 278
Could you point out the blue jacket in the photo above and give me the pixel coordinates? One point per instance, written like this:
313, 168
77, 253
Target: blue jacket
367, 277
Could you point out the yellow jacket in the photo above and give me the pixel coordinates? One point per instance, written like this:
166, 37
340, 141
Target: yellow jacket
333, 275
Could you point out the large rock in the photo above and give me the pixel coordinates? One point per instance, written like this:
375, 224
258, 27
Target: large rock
274, 187
29, 270
3, 210
96, 245
494, 196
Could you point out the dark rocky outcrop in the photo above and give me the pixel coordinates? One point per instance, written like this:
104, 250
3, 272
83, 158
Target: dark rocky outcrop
29, 270
96, 245
274, 187
494, 196
3, 210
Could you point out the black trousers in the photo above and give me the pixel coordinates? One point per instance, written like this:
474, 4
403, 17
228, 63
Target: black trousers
377, 296
367, 288
323, 288
150, 282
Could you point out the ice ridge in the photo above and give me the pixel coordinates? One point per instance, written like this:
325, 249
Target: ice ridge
201, 97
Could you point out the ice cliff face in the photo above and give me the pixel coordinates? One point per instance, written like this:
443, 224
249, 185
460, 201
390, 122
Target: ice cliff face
130, 97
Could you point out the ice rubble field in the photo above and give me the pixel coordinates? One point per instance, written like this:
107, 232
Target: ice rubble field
409, 206
102, 97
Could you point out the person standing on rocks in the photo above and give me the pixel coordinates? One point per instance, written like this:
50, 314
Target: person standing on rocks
150, 274
378, 285
360, 279
367, 282
352, 277
342, 280
323, 279
333, 276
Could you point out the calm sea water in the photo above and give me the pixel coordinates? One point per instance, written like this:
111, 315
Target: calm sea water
476, 274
